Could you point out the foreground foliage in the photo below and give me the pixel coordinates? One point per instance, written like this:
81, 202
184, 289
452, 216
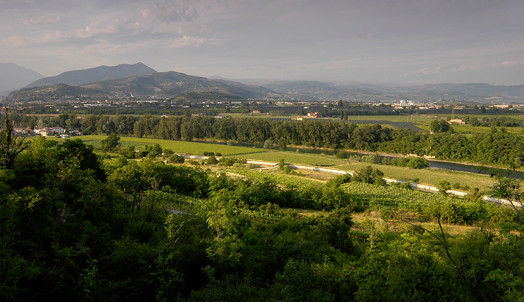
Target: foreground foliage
74, 229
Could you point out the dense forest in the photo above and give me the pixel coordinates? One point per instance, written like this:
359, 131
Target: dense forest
498, 147
74, 228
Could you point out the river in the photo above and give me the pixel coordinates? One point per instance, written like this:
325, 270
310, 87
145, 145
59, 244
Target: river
453, 166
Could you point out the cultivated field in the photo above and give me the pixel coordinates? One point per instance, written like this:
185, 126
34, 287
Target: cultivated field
430, 176
195, 148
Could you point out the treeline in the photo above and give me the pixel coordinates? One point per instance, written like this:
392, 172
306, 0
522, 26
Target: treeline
498, 147
500, 121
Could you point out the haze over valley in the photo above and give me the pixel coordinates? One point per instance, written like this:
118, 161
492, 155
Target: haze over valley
139, 80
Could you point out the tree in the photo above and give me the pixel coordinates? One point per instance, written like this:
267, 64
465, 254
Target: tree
439, 126
281, 144
76, 150
417, 163
111, 142
176, 159
281, 164
10, 145
370, 176
268, 144
443, 186
509, 189
154, 150
211, 160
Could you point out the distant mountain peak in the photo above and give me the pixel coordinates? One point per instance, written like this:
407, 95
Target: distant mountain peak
96, 74
13, 76
159, 84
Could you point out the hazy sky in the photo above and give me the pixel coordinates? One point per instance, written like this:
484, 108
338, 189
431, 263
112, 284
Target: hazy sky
387, 41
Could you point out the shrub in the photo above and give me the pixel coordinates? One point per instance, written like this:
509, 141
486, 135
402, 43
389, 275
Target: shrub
229, 161
176, 159
443, 186
341, 154
370, 176
128, 152
400, 161
417, 163
193, 162
211, 160
341, 179
281, 164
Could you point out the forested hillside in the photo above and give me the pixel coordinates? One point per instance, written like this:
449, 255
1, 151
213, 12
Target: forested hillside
74, 228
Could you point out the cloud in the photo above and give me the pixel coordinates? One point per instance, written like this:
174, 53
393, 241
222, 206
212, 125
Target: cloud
160, 22
442, 69
42, 20
12, 42
185, 41
512, 63
462, 67
429, 70
350, 40
166, 11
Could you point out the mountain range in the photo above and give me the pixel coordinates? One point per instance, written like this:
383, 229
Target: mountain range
139, 80
13, 77
377, 92
159, 84
101, 73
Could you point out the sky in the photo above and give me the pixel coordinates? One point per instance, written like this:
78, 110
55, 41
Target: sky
373, 41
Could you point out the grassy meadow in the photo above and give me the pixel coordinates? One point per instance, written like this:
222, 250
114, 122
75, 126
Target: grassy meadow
430, 176
195, 148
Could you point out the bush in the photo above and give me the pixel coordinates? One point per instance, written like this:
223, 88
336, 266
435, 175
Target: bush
443, 186
176, 159
403, 185
128, 152
370, 176
154, 150
341, 154
341, 179
193, 162
281, 164
288, 169
417, 163
229, 161
111, 142
211, 160
439, 126
141, 154
400, 161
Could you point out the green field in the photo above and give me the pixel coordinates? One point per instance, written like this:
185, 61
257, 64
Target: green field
430, 176
177, 146
295, 158
414, 118
427, 176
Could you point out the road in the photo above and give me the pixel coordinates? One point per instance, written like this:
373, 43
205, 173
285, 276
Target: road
417, 186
